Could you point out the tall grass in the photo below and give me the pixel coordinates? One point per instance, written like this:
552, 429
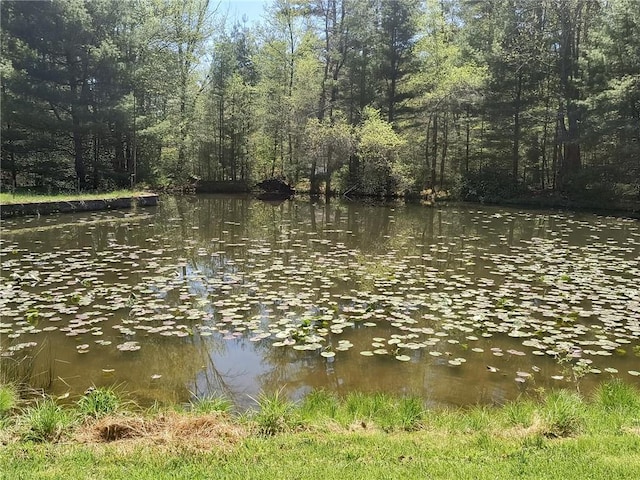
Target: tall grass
99, 402
563, 414
376, 410
45, 422
519, 413
613, 409
276, 414
8, 399
617, 396
211, 404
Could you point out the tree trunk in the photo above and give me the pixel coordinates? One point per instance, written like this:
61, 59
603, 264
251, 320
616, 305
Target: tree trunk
434, 153
515, 156
466, 142
445, 138
78, 150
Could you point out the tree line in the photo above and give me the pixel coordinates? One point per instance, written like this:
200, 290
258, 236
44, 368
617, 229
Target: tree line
487, 99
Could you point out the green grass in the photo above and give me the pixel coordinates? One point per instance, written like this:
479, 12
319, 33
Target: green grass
9, 198
560, 436
275, 414
99, 402
211, 404
8, 399
563, 414
45, 422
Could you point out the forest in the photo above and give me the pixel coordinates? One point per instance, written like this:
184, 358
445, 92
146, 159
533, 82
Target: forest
482, 99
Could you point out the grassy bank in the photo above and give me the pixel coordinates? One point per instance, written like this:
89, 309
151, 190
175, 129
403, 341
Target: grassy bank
22, 198
559, 435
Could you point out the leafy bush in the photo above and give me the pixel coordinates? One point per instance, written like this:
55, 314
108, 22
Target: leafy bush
595, 185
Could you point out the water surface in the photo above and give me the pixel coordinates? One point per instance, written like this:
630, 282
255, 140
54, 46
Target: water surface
208, 295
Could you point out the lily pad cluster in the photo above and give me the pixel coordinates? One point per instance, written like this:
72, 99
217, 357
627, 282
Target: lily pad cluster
506, 285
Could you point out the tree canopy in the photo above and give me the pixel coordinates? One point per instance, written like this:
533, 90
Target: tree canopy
377, 97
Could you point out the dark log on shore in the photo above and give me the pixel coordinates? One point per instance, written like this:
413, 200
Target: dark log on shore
273, 189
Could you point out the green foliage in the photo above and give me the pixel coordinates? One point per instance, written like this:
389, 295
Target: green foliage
563, 414
99, 402
8, 399
276, 414
617, 396
490, 185
384, 411
211, 404
411, 413
45, 422
378, 149
384, 98
519, 413
465, 443
319, 404
597, 185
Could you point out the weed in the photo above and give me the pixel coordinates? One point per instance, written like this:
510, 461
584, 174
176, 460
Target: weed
100, 401
276, 413
362, 406
8, 399
210, 404
46, 421
318, 404
562, 414
411, 413
618, 396
519, 413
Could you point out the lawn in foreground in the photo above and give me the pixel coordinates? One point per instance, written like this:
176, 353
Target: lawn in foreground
559, 435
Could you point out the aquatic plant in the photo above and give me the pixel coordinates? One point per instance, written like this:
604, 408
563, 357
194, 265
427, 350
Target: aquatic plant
316, 293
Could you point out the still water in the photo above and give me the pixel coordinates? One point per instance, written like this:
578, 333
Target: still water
212, 295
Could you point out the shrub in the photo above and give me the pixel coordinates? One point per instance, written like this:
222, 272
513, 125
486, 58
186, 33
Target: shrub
490, 185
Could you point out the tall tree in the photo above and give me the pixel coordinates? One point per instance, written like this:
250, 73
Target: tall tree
398, 33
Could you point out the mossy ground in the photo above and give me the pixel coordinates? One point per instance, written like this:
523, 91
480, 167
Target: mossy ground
11, 198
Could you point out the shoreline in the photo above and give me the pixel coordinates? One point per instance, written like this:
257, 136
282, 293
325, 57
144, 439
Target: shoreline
31, 208
560, 434
11, 210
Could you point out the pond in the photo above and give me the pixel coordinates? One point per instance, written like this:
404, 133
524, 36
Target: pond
212, 295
